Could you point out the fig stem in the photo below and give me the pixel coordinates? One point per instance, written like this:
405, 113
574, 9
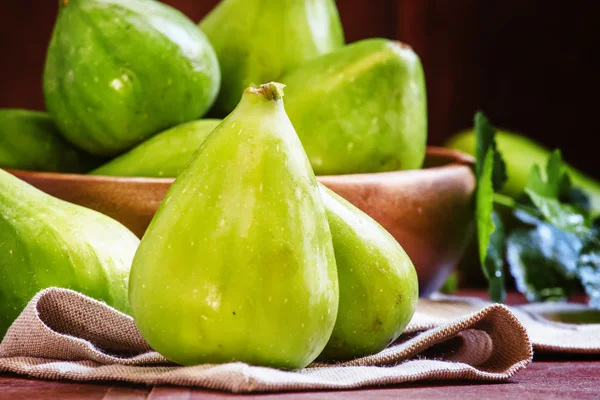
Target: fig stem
269, 91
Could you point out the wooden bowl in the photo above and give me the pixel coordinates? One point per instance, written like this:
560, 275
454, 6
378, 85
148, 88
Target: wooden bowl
428, 211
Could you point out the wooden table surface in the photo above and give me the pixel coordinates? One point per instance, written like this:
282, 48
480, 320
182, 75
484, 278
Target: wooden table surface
549, 377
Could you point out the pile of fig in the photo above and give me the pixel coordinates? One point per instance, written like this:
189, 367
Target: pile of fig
248, 258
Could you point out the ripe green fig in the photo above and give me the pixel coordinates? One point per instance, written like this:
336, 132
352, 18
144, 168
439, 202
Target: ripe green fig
47, 242
119, 71
360, 109
238, 263
29, 140
257, 41
163, 155
378, 283
522, 154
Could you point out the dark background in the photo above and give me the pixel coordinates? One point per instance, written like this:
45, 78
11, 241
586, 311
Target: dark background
528, 64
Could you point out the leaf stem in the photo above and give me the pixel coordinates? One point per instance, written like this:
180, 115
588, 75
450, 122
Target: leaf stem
505, 201
511, 203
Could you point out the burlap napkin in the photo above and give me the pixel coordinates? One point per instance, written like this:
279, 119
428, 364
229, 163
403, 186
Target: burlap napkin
550, 325
65, 335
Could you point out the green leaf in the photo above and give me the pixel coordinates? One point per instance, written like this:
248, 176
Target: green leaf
490, 232
543, 261
596, 227
556, 180
578, 199
484, 197
545, 193
559, 251
485, 134
493, 266
491, 176
563, 216
588, 270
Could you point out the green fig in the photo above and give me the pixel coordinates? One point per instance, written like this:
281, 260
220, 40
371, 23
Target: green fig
360, 109
29, 140
378, 283
119, 71
257, 41
522, 153
238, 263
163, 155
47, 242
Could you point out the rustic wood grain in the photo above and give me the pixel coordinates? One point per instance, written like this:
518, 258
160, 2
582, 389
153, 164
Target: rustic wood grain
124, 392
543, 379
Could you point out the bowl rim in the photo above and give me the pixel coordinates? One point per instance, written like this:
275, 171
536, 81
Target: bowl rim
455, 156
452, 159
